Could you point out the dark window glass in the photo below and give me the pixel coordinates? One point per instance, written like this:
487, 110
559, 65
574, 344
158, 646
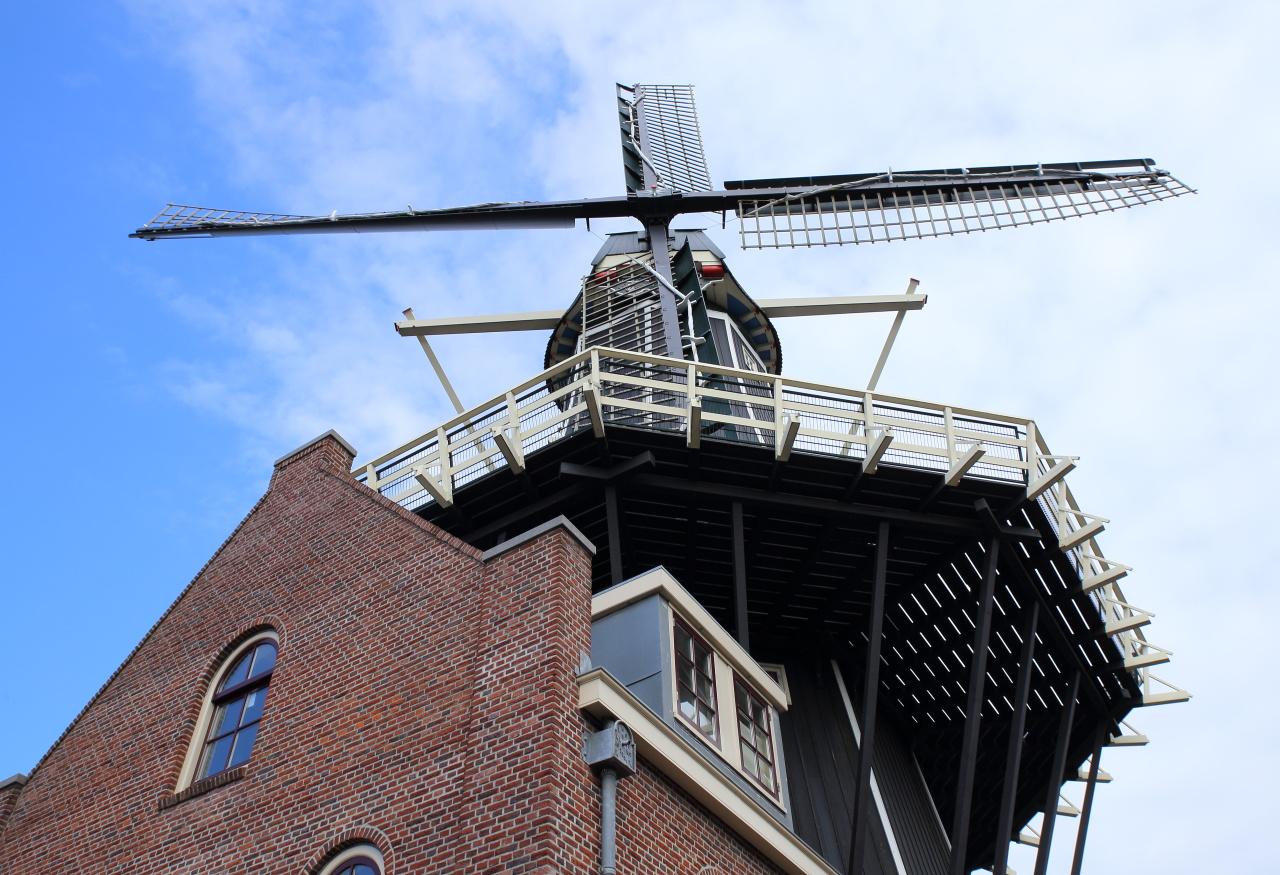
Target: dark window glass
358, 866
695, 681
755, 737
238, 705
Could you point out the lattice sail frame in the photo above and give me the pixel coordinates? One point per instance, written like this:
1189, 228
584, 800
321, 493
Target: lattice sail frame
185, 216
839, 214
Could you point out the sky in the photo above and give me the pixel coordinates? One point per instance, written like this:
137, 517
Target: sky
151, 385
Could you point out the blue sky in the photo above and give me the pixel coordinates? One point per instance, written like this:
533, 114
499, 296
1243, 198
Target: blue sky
151, 385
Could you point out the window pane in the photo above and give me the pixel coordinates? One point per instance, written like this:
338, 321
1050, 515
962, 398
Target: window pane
216, 756
686, 703
364, 869
238, 674
253, 704
264, 659
704, 689
244, 745
684, 643
226, 718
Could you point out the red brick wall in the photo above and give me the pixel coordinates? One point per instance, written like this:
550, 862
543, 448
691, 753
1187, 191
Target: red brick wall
424, 700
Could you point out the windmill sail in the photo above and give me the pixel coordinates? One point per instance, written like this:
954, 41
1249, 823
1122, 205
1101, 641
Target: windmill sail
661, 140
876, 208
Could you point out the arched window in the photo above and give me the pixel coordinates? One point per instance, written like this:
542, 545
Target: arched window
232, 711
358, 860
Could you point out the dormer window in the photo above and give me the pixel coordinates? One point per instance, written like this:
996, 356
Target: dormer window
695, 681
665, 648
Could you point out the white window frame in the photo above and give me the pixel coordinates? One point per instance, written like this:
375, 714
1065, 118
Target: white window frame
186, 777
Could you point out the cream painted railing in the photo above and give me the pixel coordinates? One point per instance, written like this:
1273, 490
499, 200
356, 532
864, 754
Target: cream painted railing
601, 388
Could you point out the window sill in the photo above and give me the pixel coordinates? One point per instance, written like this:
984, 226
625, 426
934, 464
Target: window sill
199, 788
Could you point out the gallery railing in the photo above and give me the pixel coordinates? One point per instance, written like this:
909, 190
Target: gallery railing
601, 387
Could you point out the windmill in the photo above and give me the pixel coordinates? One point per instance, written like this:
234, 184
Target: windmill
772, 521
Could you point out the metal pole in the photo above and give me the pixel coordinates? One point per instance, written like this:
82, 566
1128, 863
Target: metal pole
615, 533
1082, 832
740, 578
973, 713
870, 695
1013, 759
1055, 776
608, 822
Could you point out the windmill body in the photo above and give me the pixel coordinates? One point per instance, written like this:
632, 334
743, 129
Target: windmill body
820, 629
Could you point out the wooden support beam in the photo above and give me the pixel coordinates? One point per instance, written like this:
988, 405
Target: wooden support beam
785, 440
740, 620
1155, 656
1055, 776
510, 449
693, 427
1077, 860
1136, 739
973, 713
964, 463
541, 320
1102, 578
1092, 528
1017, 728
614, 523
1135, 620
781, 308
892, 336
940, 522
440, 490
876, 450
591, 397
438, 368
870, 697
1055, 473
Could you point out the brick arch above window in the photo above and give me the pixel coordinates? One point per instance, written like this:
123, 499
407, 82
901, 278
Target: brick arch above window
350, 844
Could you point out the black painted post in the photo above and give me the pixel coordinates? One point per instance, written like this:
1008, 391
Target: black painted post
1078, 860
615, 533
973, 713
870, 694
1013, 759
1055, 776
739, 578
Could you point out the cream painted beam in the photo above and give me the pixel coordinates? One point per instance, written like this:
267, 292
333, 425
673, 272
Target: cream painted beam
876, 450
964, 463
1061, 469
1104, 777
785, 440
539, 320
693, 435
1136, 739
510, 450
1094, 526
440, 490
779, 308
1114, 572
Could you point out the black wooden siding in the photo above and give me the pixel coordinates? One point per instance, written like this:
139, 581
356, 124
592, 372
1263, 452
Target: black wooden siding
822, 759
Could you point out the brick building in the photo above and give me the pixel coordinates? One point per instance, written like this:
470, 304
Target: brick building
424, 704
